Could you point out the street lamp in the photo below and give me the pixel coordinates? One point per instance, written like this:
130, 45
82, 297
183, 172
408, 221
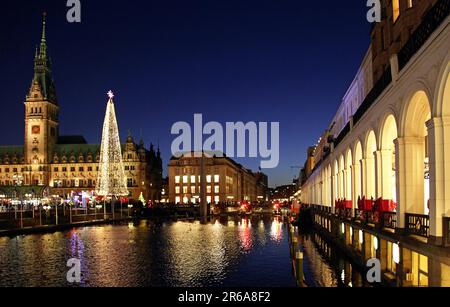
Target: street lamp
55, 199
18, 181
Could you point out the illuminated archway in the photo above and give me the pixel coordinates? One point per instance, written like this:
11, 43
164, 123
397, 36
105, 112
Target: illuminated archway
348, 175
370, 171
389, 134
335, 181
327, 186
358, 168
341, 176
442, 103
439, 153
446, 97
330, 185
413, 155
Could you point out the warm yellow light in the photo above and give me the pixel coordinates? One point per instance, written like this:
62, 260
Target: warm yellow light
395, 9
396, 253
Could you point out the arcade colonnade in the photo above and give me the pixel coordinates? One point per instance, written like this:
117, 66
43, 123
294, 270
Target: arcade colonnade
400, 149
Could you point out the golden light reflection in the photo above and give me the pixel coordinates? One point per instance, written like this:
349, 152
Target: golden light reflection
195, 253
276, 230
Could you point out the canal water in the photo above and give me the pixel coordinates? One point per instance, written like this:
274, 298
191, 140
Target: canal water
224, 252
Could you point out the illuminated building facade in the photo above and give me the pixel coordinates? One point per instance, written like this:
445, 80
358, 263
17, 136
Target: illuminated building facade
66, 164
226, 181
389, 143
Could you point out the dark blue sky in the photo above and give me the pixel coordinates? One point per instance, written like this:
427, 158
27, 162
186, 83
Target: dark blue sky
232, 60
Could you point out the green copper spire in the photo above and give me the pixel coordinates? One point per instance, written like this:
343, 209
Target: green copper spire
43, 53
42, 67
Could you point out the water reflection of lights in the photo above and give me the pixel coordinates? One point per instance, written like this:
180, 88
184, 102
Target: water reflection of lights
246, 236
76, 245
217, 224
196, 252
245, 223
151, 254
276, 230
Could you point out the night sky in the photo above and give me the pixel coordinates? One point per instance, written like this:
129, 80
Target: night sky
289, 61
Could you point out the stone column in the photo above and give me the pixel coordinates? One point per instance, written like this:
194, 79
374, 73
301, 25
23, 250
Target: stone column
439, 162
410, 177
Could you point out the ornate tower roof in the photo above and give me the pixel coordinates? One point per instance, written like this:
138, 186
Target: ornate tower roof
42, 87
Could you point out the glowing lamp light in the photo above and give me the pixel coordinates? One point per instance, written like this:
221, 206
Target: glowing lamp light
351, 231
396, 253
343, 228
375, 243
361, 237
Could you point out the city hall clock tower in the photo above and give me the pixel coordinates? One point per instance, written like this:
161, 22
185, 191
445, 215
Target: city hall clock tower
41, 113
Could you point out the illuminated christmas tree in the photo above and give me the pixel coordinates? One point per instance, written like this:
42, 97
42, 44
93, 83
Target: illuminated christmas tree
111, 181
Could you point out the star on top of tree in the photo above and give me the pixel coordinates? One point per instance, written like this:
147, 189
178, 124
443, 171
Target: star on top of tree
110, 94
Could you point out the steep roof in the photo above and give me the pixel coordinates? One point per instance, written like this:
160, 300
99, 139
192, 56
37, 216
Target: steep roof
77, 148
11, 150
71, 139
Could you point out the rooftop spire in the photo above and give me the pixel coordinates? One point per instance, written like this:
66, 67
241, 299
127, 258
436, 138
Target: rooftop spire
43, 39
42, 67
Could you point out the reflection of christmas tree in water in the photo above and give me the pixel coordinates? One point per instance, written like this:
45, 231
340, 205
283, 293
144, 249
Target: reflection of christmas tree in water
142, 199
111, 181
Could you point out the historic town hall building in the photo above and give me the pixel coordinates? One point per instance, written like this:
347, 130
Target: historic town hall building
49, 163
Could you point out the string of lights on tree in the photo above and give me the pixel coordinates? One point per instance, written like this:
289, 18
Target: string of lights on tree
111, 181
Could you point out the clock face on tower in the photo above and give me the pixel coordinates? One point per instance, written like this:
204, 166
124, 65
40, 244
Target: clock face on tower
36, 129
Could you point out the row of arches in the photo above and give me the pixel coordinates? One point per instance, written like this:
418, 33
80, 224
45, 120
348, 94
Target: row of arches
402, 156
369, 167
